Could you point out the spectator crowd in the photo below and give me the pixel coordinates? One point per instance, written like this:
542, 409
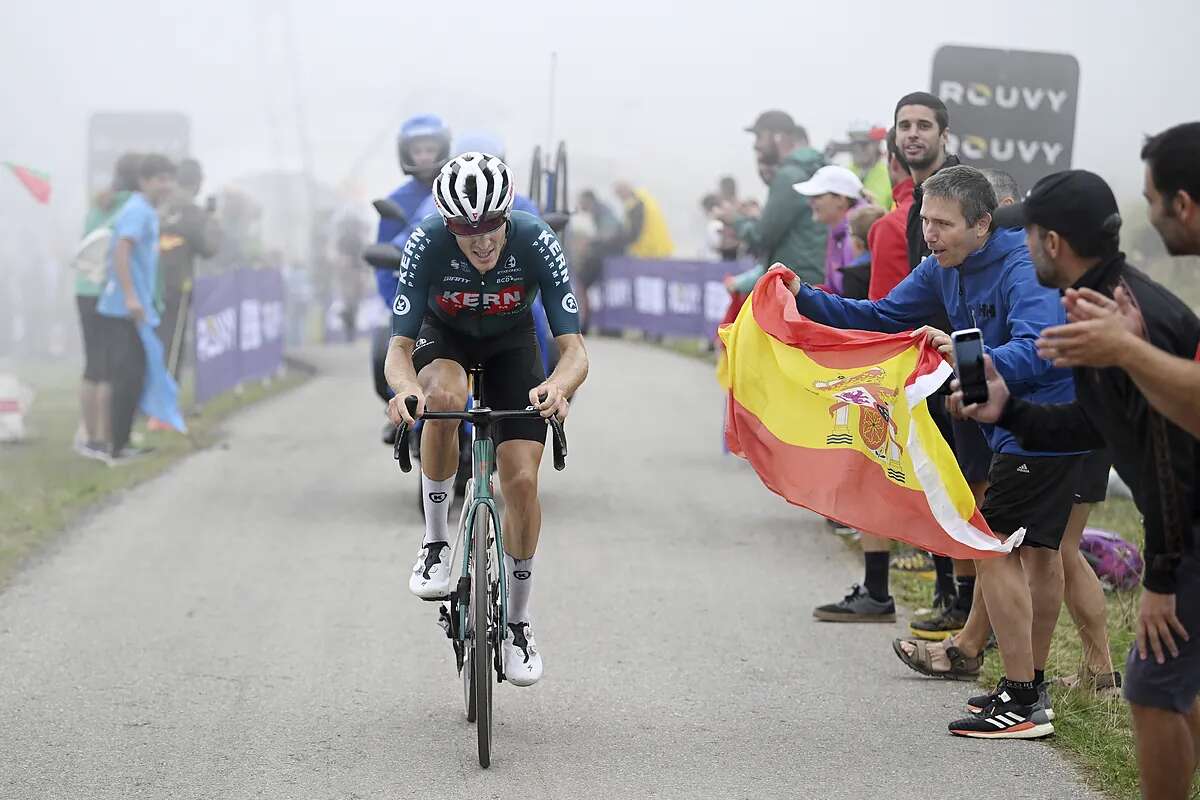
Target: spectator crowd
1090, 364
134, 271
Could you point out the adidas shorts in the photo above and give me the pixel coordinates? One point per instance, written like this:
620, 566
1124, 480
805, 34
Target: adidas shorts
1031, 492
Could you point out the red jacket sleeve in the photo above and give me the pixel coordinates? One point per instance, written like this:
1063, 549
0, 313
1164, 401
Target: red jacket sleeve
889, 256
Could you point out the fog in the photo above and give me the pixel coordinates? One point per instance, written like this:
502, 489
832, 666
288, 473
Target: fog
645, 90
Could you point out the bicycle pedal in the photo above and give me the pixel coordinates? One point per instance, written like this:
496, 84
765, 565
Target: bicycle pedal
444, 598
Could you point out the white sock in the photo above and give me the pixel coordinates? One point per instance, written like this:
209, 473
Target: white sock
436, 496
518, 573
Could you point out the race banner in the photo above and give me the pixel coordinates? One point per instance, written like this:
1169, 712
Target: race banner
661, 297
238, 318
1012, 110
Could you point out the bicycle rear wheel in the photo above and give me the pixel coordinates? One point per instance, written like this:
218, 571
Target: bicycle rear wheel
481, 656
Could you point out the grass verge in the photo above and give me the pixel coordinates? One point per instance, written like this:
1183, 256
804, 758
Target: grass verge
1095, 734
45, 485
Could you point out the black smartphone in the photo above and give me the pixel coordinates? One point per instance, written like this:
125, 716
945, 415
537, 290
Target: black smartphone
968, 355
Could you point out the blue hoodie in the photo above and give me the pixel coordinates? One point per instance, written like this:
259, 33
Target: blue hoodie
995, 290
409, 196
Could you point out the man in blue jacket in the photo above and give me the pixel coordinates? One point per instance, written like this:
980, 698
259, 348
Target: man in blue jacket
984, 279
423, 147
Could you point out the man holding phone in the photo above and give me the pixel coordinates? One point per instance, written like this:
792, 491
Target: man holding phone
1072, 224
983, 278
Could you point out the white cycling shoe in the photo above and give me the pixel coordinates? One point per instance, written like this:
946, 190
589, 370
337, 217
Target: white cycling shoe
430, 578
522, 660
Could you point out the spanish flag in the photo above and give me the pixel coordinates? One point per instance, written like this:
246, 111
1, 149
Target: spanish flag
835, 421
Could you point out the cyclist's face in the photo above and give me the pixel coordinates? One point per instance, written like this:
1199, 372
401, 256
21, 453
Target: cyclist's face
483, 251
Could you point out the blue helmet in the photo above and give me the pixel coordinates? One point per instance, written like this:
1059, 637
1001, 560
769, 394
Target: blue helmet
420, 127
479, 142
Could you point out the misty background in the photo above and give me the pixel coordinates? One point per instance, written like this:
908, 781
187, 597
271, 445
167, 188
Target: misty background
657, 93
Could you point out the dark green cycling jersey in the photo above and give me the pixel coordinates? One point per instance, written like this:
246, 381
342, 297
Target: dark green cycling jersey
437, 279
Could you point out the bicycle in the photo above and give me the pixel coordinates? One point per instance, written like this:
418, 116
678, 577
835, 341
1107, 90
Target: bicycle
474, 616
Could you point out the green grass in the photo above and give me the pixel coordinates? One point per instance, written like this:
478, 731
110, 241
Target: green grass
45, 486
1095, 734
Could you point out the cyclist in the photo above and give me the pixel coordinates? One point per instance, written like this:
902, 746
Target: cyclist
483, 142
423, 147
468, 278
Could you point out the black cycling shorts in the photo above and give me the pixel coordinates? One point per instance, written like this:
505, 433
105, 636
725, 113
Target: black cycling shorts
1036, 493
512, 366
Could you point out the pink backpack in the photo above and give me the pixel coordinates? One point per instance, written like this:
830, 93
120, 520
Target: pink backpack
1117, 563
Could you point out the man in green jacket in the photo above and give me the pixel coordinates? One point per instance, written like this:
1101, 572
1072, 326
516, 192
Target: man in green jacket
785, 232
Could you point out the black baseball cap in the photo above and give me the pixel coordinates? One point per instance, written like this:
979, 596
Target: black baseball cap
1074, 203
775, 121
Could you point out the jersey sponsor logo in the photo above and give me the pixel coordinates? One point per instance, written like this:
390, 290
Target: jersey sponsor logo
509, 278
457, 266
501, 302
511, 263
401, 306
570, 304
455, 279
422, 343
556, 259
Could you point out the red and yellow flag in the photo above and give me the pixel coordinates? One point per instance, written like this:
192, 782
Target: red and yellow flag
835, 421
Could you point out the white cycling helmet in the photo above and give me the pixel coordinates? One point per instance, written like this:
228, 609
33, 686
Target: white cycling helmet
474, 193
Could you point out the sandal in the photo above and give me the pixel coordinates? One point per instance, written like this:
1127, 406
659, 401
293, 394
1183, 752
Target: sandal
1102, 684
962, 666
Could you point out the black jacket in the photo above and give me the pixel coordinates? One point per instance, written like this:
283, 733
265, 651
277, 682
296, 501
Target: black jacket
1160, 462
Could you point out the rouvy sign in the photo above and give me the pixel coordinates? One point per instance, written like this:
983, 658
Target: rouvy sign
1012, 110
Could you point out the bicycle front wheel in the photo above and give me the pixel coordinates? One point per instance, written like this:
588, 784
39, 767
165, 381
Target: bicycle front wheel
481, 606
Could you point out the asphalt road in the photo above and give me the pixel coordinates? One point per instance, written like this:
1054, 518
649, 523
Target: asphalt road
241, 627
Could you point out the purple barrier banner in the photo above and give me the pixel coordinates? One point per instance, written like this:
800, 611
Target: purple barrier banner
260, 323
661, 297
215, 304
239, 329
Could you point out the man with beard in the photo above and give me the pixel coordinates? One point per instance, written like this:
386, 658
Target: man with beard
1171, 384
785, 232
1072, 224
922, 126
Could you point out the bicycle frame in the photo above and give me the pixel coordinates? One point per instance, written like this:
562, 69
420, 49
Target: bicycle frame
480, 497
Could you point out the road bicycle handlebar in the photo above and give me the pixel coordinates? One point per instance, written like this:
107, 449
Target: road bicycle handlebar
484, 417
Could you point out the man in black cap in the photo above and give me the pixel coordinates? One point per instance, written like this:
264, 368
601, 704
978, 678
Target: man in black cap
1108, 332
785, 233
1072, 226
